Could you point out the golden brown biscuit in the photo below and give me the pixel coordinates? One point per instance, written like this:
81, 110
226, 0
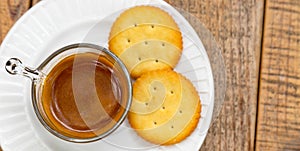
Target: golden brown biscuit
166, 107
142, 33
150, 55
155, 41
142, 15
151, 37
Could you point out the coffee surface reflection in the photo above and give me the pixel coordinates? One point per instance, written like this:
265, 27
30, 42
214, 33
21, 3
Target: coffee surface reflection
80, 95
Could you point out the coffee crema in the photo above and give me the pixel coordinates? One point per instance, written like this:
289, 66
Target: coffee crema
80, 95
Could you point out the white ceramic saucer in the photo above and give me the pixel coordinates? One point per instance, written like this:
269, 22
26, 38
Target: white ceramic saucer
52, 24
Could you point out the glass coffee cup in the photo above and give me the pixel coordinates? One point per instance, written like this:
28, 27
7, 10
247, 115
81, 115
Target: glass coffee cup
81, 93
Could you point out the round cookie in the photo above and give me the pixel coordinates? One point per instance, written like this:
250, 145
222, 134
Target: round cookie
142, 15
151, 34
142, 33
166, 107
139, 40
150, 55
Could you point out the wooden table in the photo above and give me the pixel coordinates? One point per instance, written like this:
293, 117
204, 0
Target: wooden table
260, 43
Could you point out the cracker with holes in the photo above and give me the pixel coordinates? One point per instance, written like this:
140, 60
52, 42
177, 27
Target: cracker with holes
138, 15
146, 38
166, 107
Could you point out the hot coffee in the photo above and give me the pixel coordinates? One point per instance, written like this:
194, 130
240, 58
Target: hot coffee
80, 95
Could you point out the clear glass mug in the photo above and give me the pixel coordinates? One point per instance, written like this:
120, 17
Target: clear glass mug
85, 105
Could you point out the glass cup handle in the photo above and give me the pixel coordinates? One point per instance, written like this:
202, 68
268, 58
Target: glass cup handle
14, 66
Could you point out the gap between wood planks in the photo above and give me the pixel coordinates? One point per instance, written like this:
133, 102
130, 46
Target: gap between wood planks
259, 72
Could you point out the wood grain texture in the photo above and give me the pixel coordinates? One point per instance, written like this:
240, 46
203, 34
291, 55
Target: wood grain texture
33, 2
237, 26
279, 100
168, 1
10, 11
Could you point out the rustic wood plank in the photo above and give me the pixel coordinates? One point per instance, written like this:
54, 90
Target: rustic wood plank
35, 2
10, 11
278, 126
168, 1
237, 27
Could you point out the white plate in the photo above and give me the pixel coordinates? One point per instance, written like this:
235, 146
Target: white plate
52, 24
